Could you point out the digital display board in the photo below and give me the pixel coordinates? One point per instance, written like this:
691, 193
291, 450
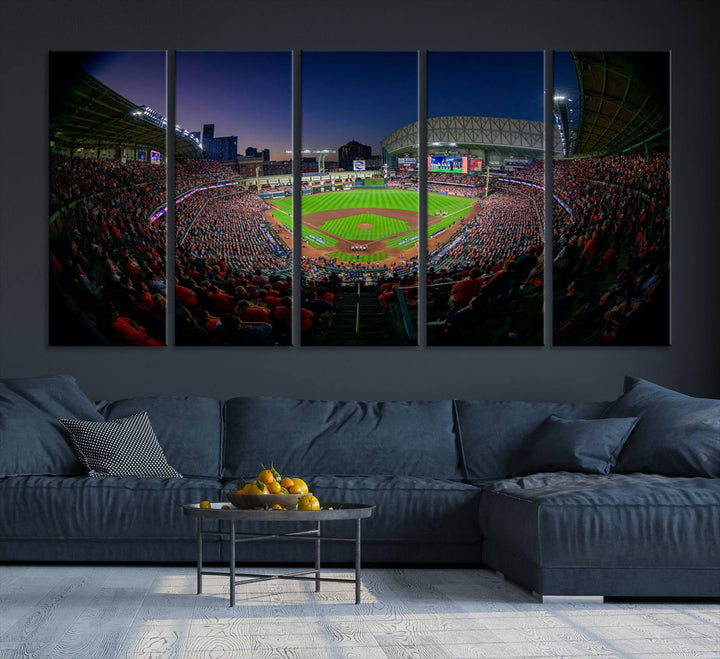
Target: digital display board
453, 164
406, 164
155, 157
359, 165
476, 165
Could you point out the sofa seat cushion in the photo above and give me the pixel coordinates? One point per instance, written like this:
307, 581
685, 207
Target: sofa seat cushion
569, 520
32, 441
407, 508
188, 428
494, 435
104, 508
315, 437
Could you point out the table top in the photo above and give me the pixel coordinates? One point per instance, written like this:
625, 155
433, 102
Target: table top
329, 511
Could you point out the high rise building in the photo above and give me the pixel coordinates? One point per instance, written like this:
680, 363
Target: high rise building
222, 148
266, 155
208, 133
251, 152
352, 151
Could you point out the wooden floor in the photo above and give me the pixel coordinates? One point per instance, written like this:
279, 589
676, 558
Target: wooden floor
83, 612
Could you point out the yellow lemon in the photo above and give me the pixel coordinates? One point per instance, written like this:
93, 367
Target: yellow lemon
308, 502
205, 504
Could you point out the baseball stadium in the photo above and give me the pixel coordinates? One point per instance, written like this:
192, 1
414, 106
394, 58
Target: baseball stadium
359, 229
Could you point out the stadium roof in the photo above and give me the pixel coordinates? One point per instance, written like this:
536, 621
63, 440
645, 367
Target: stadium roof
86, 113
520, 137
624, 101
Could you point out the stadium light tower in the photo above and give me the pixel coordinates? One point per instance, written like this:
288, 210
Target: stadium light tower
321, 153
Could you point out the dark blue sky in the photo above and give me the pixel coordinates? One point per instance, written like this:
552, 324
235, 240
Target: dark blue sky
138, 75
361, 96
486, 84
564, 74
248, 94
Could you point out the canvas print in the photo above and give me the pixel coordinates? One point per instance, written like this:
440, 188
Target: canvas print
611, 189
107, 184
359, 198
485, 198
233, 206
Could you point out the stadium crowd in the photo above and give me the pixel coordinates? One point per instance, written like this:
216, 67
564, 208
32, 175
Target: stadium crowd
485, 281
233, 283
611, 251
107, 261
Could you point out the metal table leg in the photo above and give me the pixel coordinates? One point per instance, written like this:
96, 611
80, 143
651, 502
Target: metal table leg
232, 562
357, 561
317, 560
200, 556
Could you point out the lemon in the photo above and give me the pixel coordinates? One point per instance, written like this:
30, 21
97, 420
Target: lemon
205, 504
308, 502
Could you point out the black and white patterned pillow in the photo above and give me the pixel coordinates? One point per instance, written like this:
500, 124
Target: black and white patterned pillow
121, 447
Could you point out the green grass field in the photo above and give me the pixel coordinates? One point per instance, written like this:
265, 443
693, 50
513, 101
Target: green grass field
455, 207
350, 227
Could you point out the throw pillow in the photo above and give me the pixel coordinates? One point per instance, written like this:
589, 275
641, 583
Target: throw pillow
32, 441
590, 446
121, 447
677, 435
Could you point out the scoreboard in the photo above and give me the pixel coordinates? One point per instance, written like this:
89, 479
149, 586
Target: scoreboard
453, 164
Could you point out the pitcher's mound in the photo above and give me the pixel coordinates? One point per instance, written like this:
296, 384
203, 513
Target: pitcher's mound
365, 225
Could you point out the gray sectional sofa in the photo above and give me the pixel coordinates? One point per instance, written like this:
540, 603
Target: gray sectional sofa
448, 478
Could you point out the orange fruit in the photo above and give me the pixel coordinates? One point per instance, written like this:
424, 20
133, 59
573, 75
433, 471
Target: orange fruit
308, 502
277, 506
257, 487
299, 487
205, 504
274, 487
266, 476
287, 482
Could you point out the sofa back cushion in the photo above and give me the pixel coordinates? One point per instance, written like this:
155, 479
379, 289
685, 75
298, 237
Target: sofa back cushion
314, 437
32, 440
677, 435
493, 434
188, 428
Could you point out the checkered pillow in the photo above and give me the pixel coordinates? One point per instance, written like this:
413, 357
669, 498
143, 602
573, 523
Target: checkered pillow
121, 447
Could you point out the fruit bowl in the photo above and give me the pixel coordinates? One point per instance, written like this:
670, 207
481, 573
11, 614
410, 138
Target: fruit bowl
250, 501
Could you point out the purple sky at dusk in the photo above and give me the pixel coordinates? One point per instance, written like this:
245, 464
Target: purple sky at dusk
248, 94
362, 96
138, 75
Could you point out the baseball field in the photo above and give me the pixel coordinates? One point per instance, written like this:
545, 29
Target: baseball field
368, 225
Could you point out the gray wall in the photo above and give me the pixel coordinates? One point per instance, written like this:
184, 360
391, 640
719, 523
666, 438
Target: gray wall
29, 28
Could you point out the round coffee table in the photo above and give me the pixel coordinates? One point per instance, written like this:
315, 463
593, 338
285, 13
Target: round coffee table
329, 513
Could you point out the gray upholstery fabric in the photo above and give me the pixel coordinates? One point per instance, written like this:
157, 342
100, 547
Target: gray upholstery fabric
312, 437
55, 508
32, 440
677, 435
645, 581
188, 428
589, 446
494, 433
408, 509
566, 520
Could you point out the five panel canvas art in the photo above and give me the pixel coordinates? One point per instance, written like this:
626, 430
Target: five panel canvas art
480, 177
